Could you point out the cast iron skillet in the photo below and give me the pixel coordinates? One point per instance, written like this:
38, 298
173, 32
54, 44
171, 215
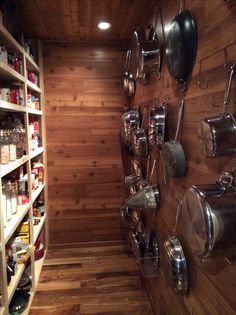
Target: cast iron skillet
181, 47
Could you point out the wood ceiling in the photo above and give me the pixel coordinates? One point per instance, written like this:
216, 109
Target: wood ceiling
76, 20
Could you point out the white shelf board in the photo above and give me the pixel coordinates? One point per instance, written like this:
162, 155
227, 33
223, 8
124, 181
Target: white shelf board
12, 107
37, 228
14, 281
15, 221
2, 310
33, 87
38, 268
37, 192
31, 64
35, 111
8, 168
36, 152
9, 74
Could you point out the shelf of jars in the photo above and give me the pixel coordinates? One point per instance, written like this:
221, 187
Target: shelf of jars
11, 166
15, 220
37, 192
14, 281
9, 74
12, 107
38, 228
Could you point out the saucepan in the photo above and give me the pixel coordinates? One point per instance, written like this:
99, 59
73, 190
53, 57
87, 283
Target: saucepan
208, 218
157, 125
128, 80
181, 46
218, 133
176, 260
139, 140
173, 153
130, 122
145, 54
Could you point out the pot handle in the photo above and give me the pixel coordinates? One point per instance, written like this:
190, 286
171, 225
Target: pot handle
177, 217
231, 71
181, 108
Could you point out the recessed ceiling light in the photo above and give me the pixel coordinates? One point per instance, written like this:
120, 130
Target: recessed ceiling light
104, 25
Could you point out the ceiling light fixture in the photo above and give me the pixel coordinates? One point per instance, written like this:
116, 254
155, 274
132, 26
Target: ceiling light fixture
104, 25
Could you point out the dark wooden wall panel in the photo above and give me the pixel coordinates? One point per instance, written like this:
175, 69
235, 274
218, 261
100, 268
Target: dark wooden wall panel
83, 101
212, 282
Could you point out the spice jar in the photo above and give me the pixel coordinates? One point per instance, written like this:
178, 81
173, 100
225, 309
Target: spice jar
3, 53
4, 147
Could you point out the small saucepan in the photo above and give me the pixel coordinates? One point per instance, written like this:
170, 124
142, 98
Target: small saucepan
218, 133
173, 153
130, 122
208, 218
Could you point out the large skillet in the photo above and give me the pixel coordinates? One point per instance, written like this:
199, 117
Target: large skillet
181, 47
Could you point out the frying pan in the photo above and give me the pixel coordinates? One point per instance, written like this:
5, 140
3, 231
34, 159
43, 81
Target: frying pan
173, 153
181, 47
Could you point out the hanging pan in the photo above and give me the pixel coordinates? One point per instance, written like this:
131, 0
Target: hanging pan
130, 122
139, 140
176, 261
138, 240
157, 125
173, 153
181, 47
208, 218
218, 133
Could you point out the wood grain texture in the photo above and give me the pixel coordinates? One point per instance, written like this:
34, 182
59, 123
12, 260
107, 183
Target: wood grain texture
77, 20
212, 282
83, 102
90, 280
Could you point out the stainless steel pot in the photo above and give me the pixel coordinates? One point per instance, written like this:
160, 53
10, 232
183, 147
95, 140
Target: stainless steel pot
173, 153
177, 264
145, 54
218, 133
208, 218
157, 125
130, 122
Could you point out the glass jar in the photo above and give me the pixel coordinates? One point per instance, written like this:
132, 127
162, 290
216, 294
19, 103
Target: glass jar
3, 53
4, 147
8, 200
14, 196
12, 145
3, 205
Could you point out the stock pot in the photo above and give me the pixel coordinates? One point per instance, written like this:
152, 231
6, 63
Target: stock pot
208, 218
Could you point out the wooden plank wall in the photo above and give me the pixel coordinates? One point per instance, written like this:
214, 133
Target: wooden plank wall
83, 102
212, 282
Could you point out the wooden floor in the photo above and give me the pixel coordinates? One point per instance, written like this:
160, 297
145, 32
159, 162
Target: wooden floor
94, 280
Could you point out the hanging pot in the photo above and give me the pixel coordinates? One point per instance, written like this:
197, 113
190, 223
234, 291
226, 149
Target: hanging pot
136, 175
176, 261
157, 125
140, 143
138, 240
218, 133
146, 198
209, 218
181, 46
145, 54
127, 78
154, 250
173, 153
130, 122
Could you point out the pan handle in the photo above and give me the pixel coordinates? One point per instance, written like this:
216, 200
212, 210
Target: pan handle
177, 217
182, 85
181, 108
231, 71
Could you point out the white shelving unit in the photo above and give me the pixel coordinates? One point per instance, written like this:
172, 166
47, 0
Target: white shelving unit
7, 74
